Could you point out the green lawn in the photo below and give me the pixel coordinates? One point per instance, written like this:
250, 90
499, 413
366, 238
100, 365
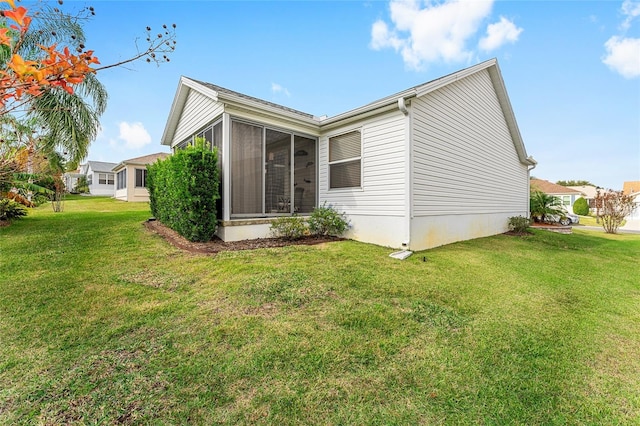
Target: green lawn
591, 221
103, 322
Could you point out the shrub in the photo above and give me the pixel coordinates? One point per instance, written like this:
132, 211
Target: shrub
542, 205
184, 190
581, 207
519, 224
82, 186
327, 221
10, 210
291, 227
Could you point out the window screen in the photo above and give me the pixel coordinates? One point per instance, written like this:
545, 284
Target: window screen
345, 160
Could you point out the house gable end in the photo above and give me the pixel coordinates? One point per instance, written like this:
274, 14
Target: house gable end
464, 158
500, 91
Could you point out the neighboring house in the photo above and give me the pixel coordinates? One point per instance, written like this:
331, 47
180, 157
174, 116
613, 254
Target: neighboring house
100, 177
635, 215
589, 193
131, 177
437, 163
567, 195
71, 179
631, 187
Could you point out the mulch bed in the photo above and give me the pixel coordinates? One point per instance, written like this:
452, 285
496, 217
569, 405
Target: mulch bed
217, 245
4, 223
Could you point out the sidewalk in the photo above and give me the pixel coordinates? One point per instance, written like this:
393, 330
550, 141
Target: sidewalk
624, 230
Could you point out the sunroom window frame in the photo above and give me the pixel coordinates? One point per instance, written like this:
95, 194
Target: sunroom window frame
292, 133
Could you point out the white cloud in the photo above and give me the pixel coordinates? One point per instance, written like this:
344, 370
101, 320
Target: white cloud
623, 56
631, 9
134, 135
432, 31
500, 33
276, 88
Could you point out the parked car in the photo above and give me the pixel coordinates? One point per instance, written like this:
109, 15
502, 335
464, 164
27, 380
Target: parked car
567, 219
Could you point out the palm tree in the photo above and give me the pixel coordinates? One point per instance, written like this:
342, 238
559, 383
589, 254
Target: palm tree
65, 122
542, 205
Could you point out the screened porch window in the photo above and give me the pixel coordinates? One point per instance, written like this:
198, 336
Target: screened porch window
264, 179
345, 159
121, 179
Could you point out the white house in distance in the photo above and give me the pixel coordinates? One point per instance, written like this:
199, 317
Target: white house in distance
100, 178
437, 163
131, 177
71, 179
566, 195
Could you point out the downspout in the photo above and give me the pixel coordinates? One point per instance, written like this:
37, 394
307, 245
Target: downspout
406, 244
532, 165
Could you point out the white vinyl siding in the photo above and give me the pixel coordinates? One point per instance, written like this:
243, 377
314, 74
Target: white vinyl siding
464, 160
383, 169
198, 109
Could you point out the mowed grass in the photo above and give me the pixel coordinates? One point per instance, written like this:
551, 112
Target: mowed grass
103, 322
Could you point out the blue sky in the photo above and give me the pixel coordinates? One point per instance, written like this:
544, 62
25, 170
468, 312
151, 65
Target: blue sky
572, 68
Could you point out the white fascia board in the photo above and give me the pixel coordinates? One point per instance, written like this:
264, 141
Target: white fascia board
510, 117
443, 81
184, 86
118, 167
367, 110
259, 107
501, 91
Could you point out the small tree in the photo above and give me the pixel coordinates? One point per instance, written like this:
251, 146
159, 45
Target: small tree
614, 207
581, 207
542, 205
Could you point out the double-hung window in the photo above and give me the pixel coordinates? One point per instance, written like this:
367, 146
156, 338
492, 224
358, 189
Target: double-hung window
105, 179
141, 178
345, 160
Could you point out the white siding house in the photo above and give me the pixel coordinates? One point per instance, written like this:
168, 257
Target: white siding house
100, 177
437, 163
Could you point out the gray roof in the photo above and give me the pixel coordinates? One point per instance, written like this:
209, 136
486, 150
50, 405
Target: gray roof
242, 95
101, 166
142, 161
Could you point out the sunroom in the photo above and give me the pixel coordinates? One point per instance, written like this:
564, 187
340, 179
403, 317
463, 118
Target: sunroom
268, 166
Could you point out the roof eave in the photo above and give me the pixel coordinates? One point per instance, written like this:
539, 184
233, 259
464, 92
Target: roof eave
182, 92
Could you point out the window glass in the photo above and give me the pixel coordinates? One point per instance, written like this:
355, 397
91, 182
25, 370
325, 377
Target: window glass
345, 168
247, 168
277, 172
122, 179
141, 178
304, 174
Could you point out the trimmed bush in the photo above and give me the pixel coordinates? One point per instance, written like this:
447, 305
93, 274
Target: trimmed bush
327, 221
519, 224
184, 189
10, 210
581, 207
289, 227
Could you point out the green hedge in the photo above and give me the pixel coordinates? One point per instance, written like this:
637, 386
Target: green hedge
184, 189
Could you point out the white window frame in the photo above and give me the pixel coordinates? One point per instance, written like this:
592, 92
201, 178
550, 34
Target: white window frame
144, 178
346, 160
